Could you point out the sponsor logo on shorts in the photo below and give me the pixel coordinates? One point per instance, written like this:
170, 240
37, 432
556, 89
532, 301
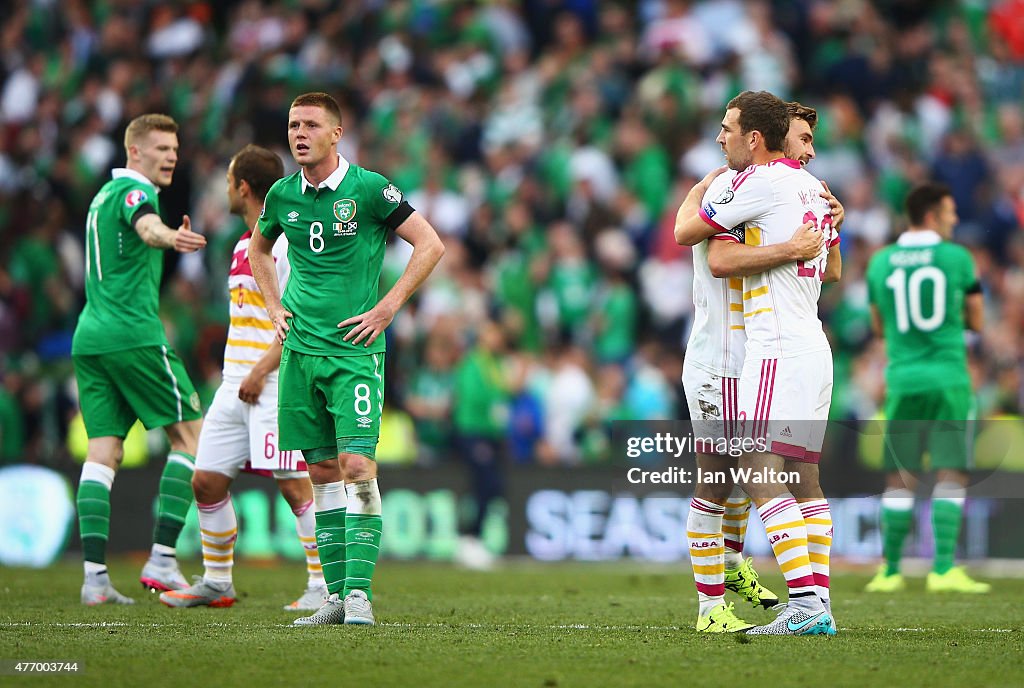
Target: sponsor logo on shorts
364, 422
707, 409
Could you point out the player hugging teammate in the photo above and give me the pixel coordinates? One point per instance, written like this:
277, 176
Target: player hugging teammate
758, 364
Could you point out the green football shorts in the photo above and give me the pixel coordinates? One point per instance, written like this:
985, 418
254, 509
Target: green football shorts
941, 421
329, 405
148, 383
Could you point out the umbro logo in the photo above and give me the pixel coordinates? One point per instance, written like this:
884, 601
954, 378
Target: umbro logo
364, 422
293, 216
364, 535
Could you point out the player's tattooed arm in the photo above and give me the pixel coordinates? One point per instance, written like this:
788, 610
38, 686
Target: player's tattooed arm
733, 259
261, 260
690, 229
158, 235
427, 249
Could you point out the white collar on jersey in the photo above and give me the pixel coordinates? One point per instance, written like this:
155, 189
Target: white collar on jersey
331, 182
119, 172
919, 237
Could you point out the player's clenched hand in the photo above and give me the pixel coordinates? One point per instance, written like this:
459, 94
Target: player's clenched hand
836, 209
280, 317
187, 241
806, 242
368, 325
251, 388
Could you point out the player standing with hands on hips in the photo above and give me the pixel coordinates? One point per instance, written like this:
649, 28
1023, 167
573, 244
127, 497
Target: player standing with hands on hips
336, 217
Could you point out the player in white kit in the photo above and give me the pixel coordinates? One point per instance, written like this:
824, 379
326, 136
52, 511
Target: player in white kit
714, 357
785, 384
240, 429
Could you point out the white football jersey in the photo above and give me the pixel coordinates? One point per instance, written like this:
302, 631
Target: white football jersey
717, 338
251, 331
763, 206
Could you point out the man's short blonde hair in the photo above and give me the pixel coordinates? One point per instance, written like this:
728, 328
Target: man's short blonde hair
143, 124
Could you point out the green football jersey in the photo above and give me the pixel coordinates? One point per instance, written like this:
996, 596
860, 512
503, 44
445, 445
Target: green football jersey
336, 235
918, 285
122, 272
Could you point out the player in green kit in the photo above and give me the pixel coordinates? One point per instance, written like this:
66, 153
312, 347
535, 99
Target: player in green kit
125, 368
337, 217
924, 289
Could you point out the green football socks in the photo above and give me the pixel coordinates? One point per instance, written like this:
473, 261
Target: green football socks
947, 514
175, 498
329, 504
94, 510
362, 535
897, 516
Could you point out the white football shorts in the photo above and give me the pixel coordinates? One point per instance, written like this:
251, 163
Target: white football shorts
237, 436
785, 402
713, 403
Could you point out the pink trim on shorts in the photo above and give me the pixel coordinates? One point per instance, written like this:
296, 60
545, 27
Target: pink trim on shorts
790, 451
765, 392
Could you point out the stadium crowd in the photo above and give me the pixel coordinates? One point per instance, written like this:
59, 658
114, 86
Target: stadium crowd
549, 141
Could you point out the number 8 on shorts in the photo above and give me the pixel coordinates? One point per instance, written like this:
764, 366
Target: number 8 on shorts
326, 399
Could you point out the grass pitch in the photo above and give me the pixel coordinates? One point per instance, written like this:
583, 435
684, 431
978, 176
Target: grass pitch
525, 625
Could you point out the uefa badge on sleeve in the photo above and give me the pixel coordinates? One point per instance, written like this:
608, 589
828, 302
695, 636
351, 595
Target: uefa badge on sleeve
135, 197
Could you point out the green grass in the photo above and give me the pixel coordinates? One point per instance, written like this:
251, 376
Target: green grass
526, 625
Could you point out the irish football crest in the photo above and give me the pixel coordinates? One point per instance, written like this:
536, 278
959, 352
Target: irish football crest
345, 209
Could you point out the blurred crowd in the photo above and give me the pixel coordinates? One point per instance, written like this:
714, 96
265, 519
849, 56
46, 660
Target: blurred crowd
550, 142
